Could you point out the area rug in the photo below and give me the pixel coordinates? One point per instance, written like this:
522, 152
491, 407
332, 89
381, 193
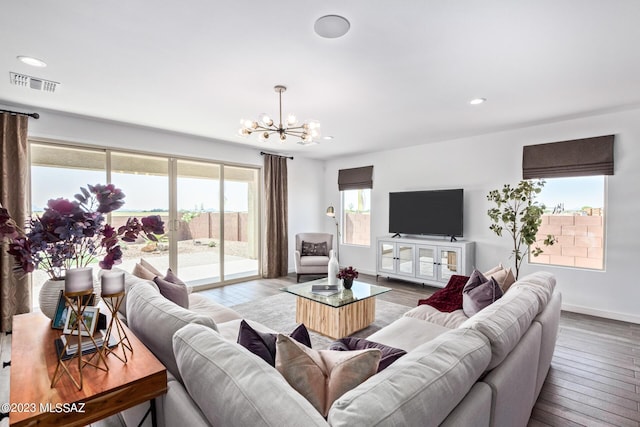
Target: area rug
278, 312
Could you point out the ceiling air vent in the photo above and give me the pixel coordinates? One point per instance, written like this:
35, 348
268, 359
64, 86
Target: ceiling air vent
32, 82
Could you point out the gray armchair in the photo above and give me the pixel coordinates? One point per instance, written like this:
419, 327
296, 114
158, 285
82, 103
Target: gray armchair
312, 264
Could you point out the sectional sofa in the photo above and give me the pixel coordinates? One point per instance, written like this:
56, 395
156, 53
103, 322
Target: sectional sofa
486, 370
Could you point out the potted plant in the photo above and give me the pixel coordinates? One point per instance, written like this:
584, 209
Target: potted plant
73, 234
517, 212
347, 275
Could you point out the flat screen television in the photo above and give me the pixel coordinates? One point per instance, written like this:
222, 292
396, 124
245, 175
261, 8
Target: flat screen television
433, 213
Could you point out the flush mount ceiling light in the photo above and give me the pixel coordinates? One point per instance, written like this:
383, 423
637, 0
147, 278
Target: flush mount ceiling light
331, 26
266, 127
34, 62
477, 101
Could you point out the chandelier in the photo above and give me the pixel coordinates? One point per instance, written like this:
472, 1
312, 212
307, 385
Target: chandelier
266, 127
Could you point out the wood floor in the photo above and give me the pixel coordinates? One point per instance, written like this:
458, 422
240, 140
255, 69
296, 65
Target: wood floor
594, 378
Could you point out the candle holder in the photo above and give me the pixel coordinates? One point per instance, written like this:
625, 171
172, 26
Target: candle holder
78, 300
113, 297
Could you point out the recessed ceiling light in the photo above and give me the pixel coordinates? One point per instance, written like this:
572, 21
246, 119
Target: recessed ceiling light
34, 62
477, 101
331, 26
329, 137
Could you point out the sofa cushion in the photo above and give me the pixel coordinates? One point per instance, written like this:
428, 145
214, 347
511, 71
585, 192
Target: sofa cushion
430, 314
129, 281
314, 260
230, 330
154, 319
388, 356
314, 249
419, 389
407, 333
263, 344
323, 376
449, 298
478, 293
541, 283
232, 387
505, 321
219, 313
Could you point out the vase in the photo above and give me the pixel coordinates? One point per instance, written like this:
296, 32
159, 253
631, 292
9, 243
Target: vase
333, 269
50, 295
347, 283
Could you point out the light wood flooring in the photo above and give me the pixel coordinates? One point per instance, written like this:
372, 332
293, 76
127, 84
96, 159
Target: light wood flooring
594, 378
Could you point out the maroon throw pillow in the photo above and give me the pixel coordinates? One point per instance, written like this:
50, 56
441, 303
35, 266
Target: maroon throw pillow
449, 298
389, 354
263, 344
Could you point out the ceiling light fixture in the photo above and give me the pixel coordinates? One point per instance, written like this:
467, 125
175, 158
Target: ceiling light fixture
34, 62
477, 101
331, 26
307, 131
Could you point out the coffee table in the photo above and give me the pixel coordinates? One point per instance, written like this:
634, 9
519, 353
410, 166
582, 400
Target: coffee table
337, 315
34, 360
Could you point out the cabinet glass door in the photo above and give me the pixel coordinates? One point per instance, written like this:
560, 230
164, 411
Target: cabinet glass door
405, 259
426, 260
449, 263
385, 252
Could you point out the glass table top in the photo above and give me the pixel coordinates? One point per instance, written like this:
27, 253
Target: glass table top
359, 291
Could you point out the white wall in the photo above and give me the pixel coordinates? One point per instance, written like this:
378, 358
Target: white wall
483, 163
305, 176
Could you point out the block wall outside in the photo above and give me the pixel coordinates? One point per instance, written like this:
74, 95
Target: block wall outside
357, 229
579, 241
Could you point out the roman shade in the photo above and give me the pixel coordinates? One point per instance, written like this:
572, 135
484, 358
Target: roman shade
578, 157
355, 178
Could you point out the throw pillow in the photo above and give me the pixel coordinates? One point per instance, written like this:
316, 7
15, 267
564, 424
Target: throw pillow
176, 292
263, 344
494, 269
389, 354
146, 264
503, 276
322, 376
143, 273
314, 249
449, 298
478, 293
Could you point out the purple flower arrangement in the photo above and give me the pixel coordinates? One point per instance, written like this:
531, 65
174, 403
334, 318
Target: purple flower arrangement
348, 273
73, 234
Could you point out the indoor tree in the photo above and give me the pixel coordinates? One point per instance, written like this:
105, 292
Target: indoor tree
517, 212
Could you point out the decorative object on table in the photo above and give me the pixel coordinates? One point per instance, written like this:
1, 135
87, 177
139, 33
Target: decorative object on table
517, 212
62, 309
347, 275
73, 234
333, 269
113, 297
81, 321
331, 213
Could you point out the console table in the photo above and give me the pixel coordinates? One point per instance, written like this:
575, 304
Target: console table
34, 360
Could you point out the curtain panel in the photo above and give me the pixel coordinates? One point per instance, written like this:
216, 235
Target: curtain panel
15, 293
578, 157
355, 178
276, 259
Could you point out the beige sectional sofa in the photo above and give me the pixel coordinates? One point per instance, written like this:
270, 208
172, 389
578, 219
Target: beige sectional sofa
486, 370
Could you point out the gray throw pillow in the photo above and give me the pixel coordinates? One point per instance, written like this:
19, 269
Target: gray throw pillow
478, 293
314, 249
173, 289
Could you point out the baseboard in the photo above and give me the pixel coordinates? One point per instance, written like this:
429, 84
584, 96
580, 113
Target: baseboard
602, 313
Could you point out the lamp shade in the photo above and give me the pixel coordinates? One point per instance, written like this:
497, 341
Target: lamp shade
331, 212
112, 282
78, 280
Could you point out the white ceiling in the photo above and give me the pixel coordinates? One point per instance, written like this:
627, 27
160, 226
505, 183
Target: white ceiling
402, 76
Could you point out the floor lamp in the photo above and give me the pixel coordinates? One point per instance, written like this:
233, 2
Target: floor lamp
331, 212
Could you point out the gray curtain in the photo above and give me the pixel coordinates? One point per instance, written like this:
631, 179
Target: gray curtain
276, 259
15, 293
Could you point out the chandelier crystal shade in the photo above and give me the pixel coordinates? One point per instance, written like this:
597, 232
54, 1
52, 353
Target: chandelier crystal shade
265, 126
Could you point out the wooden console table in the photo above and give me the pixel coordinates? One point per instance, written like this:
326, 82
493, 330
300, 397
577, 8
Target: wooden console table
33, 362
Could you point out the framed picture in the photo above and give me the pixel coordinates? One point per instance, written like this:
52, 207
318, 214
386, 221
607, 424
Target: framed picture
60, 316
91, 315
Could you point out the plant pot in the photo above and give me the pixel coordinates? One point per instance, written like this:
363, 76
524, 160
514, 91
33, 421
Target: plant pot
50, 295
347, 283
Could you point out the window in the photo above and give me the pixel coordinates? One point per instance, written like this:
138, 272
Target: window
356, 217
574, 215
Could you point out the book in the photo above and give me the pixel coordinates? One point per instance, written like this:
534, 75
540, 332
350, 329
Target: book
86, 342
86, 349
324, 289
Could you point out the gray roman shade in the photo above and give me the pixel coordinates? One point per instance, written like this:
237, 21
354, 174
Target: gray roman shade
578, 157
356, 178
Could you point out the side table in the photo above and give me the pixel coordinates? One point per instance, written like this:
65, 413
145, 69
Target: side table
33, 362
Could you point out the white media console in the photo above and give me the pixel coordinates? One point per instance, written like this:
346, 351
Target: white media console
426, 261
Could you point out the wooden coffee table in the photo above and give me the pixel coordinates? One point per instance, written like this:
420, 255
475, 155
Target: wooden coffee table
33, 362
337, 315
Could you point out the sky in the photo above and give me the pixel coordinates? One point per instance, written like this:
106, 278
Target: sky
573, 192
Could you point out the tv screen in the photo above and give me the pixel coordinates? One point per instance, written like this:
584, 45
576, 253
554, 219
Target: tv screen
435, 213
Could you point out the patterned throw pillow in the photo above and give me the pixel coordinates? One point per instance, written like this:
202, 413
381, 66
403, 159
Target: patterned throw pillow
314, 249
263, 344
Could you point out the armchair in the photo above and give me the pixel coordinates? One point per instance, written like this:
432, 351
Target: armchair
312, 264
